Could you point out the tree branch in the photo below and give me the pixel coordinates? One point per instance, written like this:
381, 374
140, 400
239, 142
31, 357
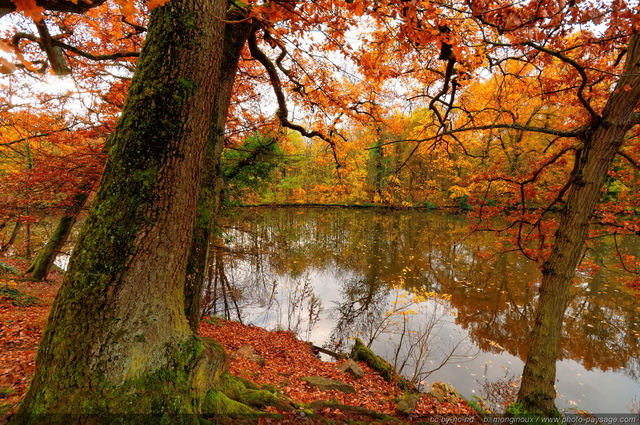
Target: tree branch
577, 67
283, 112
629, 159
35, 136
60, 45
543, 130
53, 52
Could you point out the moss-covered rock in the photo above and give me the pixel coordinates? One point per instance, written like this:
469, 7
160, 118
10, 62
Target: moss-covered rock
351, 367
444, 392
408, 403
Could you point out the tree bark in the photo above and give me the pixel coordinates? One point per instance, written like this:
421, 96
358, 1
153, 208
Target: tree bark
235, 36
537, 392
117, 340
41, 266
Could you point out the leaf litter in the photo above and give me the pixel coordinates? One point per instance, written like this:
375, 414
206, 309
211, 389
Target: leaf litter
286, 360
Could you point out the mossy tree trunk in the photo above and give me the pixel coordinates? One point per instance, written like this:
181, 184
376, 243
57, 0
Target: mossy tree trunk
117, 340
42, 264
537, 392
235, 37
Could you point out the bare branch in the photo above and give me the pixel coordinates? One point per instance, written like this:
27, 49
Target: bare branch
35, 136
110, 56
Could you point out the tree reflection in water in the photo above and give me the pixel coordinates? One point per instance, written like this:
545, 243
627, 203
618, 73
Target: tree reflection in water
280, 267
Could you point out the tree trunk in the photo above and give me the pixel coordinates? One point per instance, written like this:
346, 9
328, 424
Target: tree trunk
12, 238
27, 241
41, 266
117, 340
235, 37
537, 392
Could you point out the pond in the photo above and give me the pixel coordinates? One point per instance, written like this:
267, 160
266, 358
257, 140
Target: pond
439, 302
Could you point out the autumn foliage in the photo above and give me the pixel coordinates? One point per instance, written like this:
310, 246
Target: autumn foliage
486, 106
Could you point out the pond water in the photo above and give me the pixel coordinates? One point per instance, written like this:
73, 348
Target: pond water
439, 302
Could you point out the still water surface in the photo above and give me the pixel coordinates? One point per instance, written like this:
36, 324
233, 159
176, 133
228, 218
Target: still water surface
439, 302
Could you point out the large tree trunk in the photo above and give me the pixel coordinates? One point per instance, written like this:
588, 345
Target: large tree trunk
117, 340
41, 266
235, 37
537, 392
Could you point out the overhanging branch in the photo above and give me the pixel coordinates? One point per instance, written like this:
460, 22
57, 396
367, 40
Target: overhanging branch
519, 127
283, 112
59, 44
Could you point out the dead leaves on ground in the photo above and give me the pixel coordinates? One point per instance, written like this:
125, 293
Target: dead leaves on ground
20, 332
287, 359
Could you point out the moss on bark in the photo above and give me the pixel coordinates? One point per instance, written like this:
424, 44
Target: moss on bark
361, 352
117, 341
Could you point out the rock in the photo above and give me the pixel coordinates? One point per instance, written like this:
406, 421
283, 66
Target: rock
444, 392
351, 367
249, 353
326, 384
408, 403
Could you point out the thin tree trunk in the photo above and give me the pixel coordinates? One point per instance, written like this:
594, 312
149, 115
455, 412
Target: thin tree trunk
41, 266
117, 340
209, 200
537, 392
12, 238
27, 241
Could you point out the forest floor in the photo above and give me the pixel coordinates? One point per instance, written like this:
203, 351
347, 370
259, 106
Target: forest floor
282, 361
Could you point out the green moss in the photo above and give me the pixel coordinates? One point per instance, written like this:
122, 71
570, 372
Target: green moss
271, 389
361, 352
6, 268
187, 86
5, 407
18, 298
217, 403
250, 384
519, 410
476, 404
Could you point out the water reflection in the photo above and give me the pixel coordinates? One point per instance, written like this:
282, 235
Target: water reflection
331, 274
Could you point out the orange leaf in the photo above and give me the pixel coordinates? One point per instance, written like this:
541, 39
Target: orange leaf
6, 67
152, 4
29, 8
128, 7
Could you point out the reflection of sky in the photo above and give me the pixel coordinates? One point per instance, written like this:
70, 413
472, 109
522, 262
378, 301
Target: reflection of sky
595, 391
